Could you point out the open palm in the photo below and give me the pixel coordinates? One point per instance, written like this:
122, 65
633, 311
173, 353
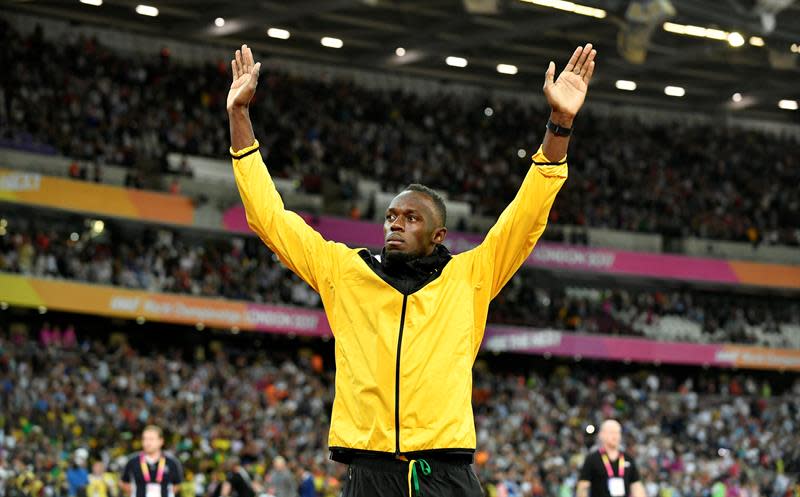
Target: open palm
245, 78
567, 93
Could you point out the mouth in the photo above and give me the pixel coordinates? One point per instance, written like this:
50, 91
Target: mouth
394, 241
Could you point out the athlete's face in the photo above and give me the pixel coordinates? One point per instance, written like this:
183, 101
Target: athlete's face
412, 227
151, 442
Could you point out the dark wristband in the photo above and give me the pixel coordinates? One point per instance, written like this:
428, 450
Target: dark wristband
558, 130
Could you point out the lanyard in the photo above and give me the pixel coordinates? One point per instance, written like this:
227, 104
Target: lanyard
146, 470
607, 464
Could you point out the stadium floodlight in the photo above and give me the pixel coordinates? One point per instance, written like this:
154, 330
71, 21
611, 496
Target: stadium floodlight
219, 22
674, 91
735, 39
737, 97
573, 7
146, 10
757, 41
279, 33
788, 104
96, 3
623, 84
330, 42
400, 51
507, 69
701, 32
456, 61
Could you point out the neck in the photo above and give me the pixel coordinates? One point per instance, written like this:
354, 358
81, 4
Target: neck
613, 452
152, 455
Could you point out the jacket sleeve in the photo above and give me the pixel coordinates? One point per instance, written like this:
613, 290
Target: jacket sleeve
512, 238
299, 246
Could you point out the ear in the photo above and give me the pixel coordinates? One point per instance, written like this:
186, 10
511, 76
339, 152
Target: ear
439, 235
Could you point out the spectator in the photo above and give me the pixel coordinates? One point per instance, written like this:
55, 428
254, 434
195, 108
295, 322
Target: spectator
281, 479
77, 475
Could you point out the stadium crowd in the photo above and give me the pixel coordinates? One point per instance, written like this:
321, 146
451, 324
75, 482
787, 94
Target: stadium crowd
71, 401
163, 260
677, 179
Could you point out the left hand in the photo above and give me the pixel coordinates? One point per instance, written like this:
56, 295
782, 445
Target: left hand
567, 93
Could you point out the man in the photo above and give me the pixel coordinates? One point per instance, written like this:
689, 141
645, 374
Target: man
408, 323
607, 472
77, 475
281, 479
151, 472
236, 481
101, 483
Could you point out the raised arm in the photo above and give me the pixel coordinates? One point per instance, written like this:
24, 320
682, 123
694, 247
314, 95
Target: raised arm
566, 96
243, 87
301, 248
512, 238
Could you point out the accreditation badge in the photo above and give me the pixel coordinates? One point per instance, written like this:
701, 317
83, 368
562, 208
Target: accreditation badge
616, 487
153, 490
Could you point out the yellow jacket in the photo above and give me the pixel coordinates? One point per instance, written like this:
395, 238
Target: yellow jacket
403, 358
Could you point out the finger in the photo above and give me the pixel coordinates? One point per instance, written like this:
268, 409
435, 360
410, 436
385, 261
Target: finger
254, 73
248, 58
582, 59
239, 63
573, 59
585, 66
234, 70
589, 73
549, 74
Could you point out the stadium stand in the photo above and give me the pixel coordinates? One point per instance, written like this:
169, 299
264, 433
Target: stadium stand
664, 178
220, 397
76, 389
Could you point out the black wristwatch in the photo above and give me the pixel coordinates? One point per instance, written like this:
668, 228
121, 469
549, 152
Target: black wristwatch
558, 130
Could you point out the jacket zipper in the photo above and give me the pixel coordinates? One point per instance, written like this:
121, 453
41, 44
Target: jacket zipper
397, 379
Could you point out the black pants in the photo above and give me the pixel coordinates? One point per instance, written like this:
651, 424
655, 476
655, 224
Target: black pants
388, 478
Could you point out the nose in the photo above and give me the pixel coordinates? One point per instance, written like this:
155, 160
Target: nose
396, 225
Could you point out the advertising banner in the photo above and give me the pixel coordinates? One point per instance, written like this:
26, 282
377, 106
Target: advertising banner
569, 257
103, 300
94, 198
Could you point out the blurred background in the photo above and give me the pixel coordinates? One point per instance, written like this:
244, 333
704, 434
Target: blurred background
664, 293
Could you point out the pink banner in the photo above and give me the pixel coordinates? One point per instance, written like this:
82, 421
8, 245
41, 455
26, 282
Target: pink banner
628, 349
568, 257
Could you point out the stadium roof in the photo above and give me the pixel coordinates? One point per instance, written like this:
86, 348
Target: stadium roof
521, 33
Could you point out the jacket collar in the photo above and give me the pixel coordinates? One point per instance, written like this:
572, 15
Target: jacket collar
419, 267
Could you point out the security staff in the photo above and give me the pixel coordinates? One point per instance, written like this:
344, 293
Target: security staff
151, 472
408, 323
607, 472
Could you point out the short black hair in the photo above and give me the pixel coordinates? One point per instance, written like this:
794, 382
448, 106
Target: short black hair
437, 199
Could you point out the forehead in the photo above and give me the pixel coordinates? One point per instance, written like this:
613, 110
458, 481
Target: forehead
410, 200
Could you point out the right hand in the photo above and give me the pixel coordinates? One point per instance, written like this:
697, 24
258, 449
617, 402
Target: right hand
245, 79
